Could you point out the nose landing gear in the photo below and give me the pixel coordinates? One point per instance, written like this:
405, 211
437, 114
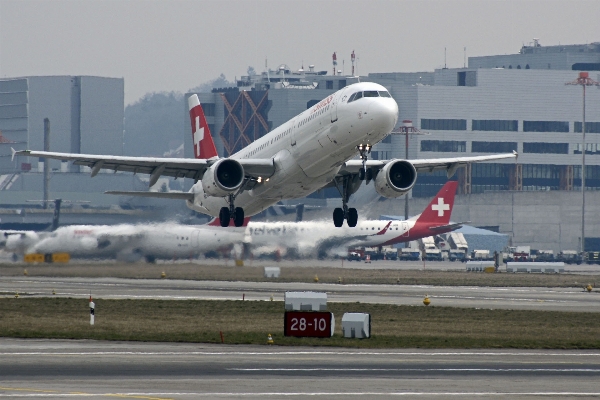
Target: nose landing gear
364, 150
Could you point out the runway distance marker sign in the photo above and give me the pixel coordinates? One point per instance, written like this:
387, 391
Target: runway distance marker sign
308, 324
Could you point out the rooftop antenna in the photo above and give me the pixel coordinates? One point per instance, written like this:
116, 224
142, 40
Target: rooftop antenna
465, 60
445, 59
334, 62
352, 58
267, 68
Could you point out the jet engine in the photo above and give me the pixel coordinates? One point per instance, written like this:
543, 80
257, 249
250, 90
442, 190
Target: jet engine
223, 177
396, 178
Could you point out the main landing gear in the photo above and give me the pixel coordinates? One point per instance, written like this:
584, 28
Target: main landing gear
344, 213
231, 213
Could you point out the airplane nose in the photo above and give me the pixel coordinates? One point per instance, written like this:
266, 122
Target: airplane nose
385, 112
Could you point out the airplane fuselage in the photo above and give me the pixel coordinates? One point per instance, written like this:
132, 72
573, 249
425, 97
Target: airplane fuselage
311, 238
309, 149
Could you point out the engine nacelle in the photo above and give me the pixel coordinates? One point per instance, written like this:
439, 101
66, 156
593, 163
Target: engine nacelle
395, 179
223, 177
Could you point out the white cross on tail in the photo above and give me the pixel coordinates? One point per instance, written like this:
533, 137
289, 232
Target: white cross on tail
198, 135
440, 207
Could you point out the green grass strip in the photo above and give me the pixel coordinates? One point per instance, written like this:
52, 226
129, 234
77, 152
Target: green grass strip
249, 322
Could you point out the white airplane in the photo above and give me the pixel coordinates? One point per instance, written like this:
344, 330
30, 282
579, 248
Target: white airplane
131, 242
310, 239
311, 151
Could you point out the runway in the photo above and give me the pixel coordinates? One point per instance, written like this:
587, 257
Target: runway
525, 298
56, 369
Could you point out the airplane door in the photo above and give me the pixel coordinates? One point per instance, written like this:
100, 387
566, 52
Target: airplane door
195, 238
404, 227
333, 112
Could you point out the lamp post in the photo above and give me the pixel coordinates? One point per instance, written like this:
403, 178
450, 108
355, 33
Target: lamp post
583, 80
406, 129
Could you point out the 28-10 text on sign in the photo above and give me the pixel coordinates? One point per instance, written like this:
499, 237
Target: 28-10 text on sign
308, 324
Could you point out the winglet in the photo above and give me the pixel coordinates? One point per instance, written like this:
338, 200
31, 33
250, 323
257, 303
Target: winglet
204, 146
13, 154
439, 209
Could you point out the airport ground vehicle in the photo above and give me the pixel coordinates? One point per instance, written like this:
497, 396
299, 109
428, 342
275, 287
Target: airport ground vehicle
593, 257
569, 257
543, 256
409, 254
433, 255
481, 255
354, 256
457, 255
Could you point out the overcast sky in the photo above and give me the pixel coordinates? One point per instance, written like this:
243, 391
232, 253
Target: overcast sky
176, 45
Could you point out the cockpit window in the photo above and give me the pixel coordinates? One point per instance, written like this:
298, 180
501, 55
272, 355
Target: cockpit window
371, 93
384, 93
358, 96
351, 99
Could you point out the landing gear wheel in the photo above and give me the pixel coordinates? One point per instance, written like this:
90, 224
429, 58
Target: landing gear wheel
338, 217
225, 216
238, 217
352, 217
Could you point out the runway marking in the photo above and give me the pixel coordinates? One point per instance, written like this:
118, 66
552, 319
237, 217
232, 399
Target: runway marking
300, 353
54, 393
417, 369
28, 390
150, 396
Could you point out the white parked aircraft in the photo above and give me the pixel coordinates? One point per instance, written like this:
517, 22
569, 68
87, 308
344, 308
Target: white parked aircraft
131, 242
311, 151
318, 238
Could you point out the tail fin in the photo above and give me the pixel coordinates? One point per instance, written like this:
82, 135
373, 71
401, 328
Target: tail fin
217, 222
204, 147
439, 210
56, 215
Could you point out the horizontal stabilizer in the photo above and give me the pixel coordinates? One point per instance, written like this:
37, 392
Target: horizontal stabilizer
161, 195
453, 227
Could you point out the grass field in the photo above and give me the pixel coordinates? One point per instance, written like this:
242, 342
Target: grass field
250, 323
301, 274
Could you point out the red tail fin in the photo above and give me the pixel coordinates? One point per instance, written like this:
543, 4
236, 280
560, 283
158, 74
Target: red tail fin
204, 147
439, 210
217, 222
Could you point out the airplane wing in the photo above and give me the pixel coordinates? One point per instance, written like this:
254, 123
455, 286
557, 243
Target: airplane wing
426, 165
160, 195
156, 167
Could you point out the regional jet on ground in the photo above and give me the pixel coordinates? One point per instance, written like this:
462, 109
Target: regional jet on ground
311, 151
307, 239
130, 243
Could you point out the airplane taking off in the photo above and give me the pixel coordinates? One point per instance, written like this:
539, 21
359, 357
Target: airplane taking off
311, 151
319, 238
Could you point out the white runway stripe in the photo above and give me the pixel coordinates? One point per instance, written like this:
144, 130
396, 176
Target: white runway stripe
299, 353
164, 396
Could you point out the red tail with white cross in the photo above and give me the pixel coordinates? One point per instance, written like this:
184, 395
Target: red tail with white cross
204, 147
439, 210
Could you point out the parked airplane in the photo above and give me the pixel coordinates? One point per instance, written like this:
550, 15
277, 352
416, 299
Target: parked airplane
311, 151
18, 240
320, 239
131, 242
